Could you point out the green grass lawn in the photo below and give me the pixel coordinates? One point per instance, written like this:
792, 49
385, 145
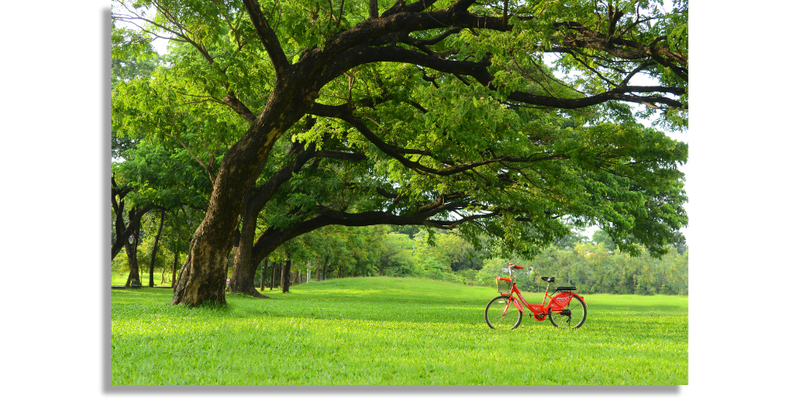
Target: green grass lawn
119, 279
391, 331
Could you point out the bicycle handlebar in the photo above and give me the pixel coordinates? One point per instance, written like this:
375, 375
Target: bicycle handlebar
513, 266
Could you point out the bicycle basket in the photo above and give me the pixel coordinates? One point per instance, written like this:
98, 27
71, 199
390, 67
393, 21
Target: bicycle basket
503, 286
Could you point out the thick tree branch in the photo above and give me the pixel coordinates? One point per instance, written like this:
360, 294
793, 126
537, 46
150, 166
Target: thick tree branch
433, 41
265, 193
479, 71
268, 37
273, 237
231, 101
400, 18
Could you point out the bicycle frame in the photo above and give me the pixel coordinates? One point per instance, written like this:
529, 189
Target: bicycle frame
557, 302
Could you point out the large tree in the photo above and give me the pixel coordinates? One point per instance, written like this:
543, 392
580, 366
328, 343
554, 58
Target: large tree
506, 118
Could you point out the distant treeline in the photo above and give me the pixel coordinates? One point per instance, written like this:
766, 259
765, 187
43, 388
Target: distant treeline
594, 266
595, 269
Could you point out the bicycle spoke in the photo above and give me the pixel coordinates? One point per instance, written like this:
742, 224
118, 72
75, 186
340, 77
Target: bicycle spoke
500, 314
574, 310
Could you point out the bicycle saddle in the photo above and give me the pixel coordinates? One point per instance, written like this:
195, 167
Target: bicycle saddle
549, 279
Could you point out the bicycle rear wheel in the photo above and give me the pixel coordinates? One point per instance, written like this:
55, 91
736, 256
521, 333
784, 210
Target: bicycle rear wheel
571, 317
494, 314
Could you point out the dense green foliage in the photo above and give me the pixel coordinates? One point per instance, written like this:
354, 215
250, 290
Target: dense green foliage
391, 331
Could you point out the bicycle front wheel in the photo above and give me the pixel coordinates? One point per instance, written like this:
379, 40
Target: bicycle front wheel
494, 314
571, 317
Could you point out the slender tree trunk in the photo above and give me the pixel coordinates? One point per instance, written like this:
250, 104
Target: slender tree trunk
285, 274
155, 248
174, 268
133, 263
324, 265
263, 274
275, 266
383, 266
283, 270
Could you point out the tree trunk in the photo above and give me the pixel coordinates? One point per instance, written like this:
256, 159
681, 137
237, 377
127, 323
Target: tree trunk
155, 248
133, 264
244, 267
280, 281
275, 266
203, 275
263, 274
174, 268
286, 272
324, 265
383, 266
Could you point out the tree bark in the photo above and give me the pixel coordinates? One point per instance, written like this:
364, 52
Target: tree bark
283, 270
155, 248
244, 269
174, 268
275, 266
321, 277
286, 272
133, 263
263, 274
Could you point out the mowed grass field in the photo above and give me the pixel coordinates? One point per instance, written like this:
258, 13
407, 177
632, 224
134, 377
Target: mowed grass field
389, 331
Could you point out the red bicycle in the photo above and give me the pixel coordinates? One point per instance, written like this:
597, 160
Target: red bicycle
565, 309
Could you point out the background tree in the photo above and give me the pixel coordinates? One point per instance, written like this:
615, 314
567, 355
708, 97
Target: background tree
395, 255
601, 238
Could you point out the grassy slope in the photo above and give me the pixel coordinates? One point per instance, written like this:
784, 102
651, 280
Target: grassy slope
392, 331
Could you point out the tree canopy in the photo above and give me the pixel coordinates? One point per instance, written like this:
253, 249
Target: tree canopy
509, 121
